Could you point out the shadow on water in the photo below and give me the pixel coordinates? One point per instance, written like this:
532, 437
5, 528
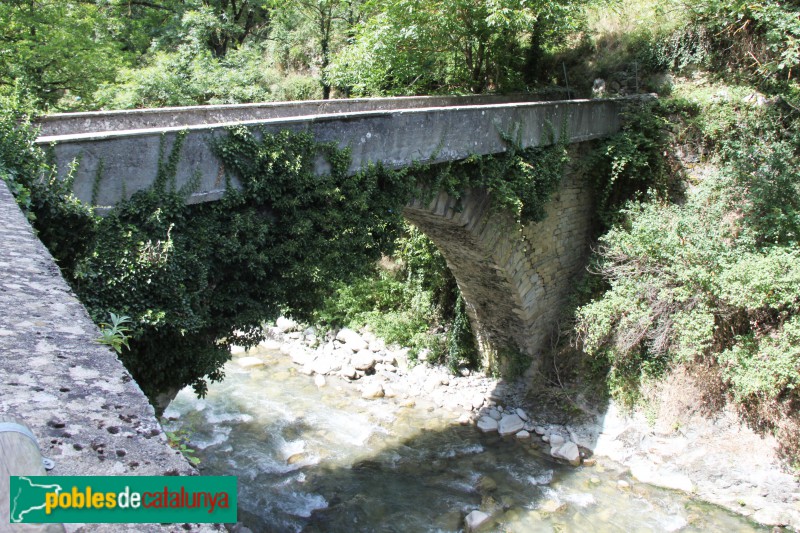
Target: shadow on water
325, 460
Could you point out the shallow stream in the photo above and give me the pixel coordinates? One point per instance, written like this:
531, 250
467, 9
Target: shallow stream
324, 459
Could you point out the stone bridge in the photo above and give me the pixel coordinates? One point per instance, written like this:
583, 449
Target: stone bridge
514, 279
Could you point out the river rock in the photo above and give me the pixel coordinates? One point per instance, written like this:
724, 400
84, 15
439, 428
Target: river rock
377, 345
523, 435
372, 391
477, 401
383, 367
660, 477
522, 414
351, 340
285, 325
487, 424
319, 380
539, 430
494, 413
325, 365
474, 520
510, 424
296, 458
486, 484
363, 360
270, 344
301, 357
249, 362
568, 451
556, 440
348, 372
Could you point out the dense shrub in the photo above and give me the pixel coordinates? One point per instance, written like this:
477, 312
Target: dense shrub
714, 281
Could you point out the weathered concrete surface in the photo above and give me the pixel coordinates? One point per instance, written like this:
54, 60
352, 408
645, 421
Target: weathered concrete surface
128, 161
87, 413
515, 280
137, 119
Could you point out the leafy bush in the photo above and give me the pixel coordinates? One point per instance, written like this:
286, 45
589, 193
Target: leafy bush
188, 76
632, 162
64, 224
761, 39
714, 281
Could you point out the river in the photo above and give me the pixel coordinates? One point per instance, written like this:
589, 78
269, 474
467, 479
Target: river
318, 459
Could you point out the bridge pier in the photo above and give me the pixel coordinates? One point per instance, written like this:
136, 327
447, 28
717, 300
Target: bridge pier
515, 279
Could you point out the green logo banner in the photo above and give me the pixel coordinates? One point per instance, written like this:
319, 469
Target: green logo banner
122, 499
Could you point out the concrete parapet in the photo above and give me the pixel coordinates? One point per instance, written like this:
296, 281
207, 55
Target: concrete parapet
86, 412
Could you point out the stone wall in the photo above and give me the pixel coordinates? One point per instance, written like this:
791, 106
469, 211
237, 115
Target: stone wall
87, 413
515, 280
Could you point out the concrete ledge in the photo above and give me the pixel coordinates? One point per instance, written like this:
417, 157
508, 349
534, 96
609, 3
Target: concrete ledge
132, 119
87, 413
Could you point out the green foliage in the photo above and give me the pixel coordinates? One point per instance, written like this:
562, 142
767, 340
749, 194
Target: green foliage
716, 279
64, 224
115, 334
762, 162
447, 46
631, 162
195, 279
416, 304
191, 77
179, 440
752, 39
56, 52
520, 180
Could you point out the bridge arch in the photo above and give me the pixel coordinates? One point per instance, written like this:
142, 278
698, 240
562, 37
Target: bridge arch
514, 279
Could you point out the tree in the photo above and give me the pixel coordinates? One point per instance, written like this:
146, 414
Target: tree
222, 24
330, 23
51, 49
445, 45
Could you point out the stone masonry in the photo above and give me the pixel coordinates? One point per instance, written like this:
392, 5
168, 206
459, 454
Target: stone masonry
87, 413
515, 280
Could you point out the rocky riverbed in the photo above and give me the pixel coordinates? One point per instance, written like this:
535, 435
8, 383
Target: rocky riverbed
717, 460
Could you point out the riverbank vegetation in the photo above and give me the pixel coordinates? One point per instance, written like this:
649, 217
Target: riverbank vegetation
698, 198
709, 282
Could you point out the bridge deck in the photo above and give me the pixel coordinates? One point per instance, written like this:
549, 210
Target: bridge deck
124, 157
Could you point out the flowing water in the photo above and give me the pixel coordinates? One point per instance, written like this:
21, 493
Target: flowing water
324, 459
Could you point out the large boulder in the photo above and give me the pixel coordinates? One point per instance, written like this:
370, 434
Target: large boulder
351, 340
567, 451
510, 424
